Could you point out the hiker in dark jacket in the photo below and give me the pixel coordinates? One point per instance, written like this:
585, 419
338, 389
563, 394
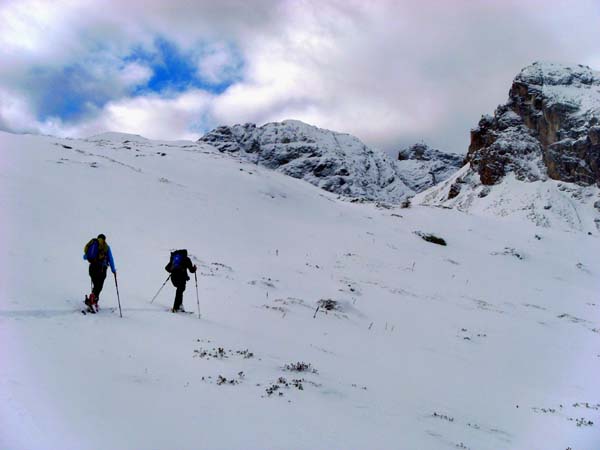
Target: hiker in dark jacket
97, 252
178, 266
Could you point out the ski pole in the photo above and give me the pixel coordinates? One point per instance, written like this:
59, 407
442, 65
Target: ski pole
316, 311
163, 285
118, 298
197, 297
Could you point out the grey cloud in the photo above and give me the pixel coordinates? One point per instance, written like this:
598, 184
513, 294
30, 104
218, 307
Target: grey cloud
391, 72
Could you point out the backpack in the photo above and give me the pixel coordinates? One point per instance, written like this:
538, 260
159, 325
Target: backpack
177, 261
94, 252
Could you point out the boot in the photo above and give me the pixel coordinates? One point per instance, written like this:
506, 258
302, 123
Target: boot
89, 302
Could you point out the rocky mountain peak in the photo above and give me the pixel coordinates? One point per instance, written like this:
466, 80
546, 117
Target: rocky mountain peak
542, 73
549, 127
538, 156
337, 162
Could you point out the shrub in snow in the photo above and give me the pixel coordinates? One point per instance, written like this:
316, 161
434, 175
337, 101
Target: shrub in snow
222, 380
443, 416
431, 238
509, 251
328, 304
300, 367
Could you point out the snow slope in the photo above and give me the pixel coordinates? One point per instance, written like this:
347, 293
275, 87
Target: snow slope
488, 343
546, 203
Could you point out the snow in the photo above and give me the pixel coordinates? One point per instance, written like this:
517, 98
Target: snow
488, 343
421, 166
577, 86
111, 136
546, 203
337, 162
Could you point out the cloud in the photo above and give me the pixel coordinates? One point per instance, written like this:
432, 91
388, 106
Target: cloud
159, 116
14, 112
390, 72
219, 64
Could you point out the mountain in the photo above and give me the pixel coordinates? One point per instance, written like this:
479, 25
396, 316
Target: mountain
423, 167
336, 162
550, 126
488, 342
538, 156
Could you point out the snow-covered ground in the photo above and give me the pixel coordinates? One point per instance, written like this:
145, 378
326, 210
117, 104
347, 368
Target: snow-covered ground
491, 342
547, 204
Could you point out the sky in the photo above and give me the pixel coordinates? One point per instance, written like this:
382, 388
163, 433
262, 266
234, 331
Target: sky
391, 73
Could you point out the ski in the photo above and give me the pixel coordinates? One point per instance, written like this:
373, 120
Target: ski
180, 312
103, 311
94, 309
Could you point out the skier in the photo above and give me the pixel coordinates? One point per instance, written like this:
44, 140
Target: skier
178, 266
97, 252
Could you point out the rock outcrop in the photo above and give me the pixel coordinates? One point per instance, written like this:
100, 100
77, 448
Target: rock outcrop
337, 162
550, 127
537, 158
422, 167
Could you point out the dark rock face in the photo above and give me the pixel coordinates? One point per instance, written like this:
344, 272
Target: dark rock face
550, 127
454, 190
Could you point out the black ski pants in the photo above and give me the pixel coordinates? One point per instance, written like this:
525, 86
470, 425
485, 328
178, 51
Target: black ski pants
98, 275
179, 282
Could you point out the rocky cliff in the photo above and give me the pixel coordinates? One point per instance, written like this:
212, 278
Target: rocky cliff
550, 127
538, 156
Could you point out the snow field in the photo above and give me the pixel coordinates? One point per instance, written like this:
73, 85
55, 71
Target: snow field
432, 347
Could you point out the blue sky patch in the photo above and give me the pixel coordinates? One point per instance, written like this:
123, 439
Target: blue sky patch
175, 70
67, 93
75, 91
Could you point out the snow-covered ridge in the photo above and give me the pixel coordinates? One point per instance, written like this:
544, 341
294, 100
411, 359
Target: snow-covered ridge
548, 73
113, 136
336, 162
